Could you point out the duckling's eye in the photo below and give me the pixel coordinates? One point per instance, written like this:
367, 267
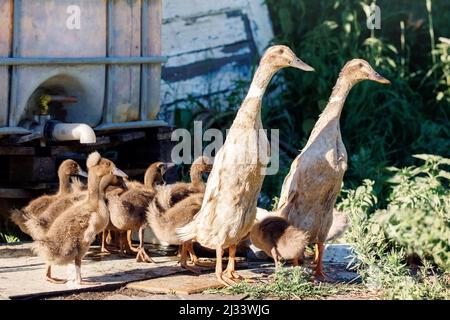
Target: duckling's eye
361, 65
280, 51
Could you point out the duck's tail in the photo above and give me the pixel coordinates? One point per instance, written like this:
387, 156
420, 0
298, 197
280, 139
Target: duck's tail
19, 217
36, 228
188, 232
339, 225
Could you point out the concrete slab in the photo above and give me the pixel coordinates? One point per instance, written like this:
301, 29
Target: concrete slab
22, 273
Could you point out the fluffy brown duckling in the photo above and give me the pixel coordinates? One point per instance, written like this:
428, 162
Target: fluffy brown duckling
70, 235
168, 195
279, 239
165, 223
128, 210
67, 169
40, 225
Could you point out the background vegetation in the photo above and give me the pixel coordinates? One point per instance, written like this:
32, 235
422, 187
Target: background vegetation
398, 205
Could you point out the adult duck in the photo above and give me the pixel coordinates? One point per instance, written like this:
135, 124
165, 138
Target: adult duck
314, 181
229, 205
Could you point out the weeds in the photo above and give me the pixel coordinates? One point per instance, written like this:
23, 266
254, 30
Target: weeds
288, 283
415, 221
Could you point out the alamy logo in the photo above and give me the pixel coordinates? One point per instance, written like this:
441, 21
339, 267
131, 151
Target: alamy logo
374, 17
73, 22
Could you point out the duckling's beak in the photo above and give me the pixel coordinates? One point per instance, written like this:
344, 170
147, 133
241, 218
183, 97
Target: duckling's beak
119, 173
375, 76
82, 173
299, 64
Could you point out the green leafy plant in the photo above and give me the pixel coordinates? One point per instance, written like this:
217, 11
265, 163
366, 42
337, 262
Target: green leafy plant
415, 221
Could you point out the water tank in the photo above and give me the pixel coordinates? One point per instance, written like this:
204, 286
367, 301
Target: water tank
105, 54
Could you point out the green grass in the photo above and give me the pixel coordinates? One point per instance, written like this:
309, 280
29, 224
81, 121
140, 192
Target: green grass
288, 283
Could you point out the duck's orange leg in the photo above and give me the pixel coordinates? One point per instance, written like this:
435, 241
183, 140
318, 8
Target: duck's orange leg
318, 270
231, 267
142, 255
78, 278
219, 271
49, 278
183, 259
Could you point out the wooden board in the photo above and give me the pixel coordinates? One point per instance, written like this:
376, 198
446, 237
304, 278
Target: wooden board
210, 45
178, 284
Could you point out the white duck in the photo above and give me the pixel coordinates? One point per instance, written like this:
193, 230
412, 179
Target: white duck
229, 205
314, 181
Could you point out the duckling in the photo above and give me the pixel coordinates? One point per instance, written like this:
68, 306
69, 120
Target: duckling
71, 234
36, 207
168, 195
128, 210
40, 225
165, 223
229, 207
279, 239
314, 181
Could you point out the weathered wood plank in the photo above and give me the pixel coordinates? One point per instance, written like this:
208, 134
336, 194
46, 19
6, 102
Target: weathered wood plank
175, 9
205, 33
208, 84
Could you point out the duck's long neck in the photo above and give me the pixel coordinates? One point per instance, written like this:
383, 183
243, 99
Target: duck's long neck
149, 180
93, 188
251, 106
196, 178
331, 114
64, 183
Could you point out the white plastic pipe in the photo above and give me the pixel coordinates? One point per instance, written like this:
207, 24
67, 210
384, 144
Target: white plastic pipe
74, 131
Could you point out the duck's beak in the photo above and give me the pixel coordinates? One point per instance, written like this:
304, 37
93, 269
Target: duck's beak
375, 76
119, 173
82, 173
299, 64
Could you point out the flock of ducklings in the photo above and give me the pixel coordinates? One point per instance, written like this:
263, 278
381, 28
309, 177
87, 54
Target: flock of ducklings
217, 214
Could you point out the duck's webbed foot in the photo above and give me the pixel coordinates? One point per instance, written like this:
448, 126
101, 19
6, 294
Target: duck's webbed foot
183, 259
143, 256
49, 278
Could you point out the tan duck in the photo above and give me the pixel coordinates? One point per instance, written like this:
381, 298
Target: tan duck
314, 181
279, 239
70, 235
165, 223
229, 207
67, 169
128, 210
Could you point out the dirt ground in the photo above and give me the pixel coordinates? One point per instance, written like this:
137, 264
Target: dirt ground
360, 293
